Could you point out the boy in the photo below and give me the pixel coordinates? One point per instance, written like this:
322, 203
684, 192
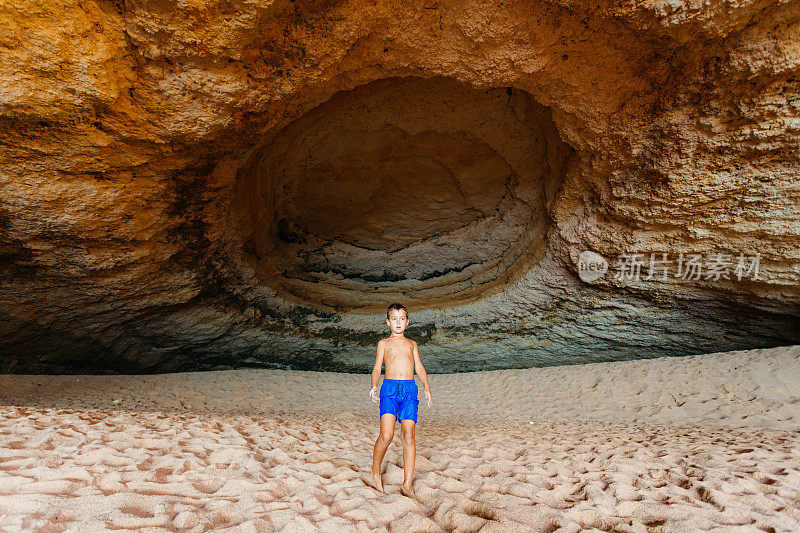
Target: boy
398, 395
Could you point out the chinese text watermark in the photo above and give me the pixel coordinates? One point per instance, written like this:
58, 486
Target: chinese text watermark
661, 266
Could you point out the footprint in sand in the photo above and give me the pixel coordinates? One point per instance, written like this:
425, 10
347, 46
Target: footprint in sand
207, 486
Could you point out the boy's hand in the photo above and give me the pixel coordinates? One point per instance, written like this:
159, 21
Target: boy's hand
429, 397
372, 394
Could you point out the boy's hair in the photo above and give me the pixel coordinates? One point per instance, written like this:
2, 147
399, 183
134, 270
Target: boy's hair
397, 306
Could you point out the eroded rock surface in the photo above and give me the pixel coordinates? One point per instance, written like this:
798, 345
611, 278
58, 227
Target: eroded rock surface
250, 184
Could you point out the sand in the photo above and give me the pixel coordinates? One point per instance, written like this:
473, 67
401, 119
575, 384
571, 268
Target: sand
705, 442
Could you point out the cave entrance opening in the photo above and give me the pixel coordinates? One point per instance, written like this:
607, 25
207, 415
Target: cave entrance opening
424, 190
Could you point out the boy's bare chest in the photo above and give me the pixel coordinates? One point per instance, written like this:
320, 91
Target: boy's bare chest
399, 352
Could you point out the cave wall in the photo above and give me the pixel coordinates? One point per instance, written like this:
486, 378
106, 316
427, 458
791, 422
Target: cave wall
227, 184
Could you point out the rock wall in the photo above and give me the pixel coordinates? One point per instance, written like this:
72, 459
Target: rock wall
227, 184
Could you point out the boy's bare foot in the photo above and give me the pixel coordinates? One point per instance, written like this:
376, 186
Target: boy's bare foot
408, 492
376, 481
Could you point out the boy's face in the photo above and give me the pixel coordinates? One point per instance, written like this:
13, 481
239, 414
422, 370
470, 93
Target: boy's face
397, 320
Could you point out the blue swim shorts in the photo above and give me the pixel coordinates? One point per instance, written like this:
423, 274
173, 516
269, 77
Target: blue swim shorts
399, 398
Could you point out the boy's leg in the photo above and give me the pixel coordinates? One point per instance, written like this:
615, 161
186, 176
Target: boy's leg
381, 444
409, 452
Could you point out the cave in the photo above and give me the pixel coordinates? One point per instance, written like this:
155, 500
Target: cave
251, 186
424, 190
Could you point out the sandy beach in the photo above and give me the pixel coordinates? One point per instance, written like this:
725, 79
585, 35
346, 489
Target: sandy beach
705, 442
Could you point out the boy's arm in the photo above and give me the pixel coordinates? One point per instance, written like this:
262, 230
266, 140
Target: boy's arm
423, 376
376, 371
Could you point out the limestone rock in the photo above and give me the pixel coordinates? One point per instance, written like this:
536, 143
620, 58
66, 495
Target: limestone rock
229, 184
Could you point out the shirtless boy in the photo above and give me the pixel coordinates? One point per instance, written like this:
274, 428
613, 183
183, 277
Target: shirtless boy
398, 395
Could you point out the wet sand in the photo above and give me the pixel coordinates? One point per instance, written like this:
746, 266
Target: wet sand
671, 444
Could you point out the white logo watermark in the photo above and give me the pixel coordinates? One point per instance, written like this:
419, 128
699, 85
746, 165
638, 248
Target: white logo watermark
591, 266
629, 266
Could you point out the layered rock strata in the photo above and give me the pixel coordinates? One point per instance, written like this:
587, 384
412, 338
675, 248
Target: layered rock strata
233, 184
